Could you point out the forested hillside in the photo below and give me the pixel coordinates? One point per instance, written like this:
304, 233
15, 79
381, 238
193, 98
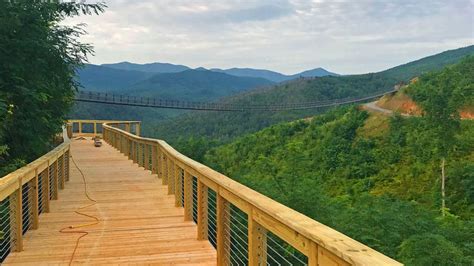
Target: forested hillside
194, 85
222, 127
105, 79
373, 177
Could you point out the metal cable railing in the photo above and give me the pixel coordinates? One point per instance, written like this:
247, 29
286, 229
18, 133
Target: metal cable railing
281, 253
52, 184
195, 204
212, 217
66, 165
61, 179
27, 211
4, 229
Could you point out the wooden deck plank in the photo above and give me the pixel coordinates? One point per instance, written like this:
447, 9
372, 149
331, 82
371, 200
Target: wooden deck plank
138, 221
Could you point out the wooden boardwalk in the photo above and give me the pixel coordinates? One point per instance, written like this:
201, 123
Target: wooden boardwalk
138, 221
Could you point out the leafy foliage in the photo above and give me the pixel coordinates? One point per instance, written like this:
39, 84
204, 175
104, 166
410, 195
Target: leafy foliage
38, 58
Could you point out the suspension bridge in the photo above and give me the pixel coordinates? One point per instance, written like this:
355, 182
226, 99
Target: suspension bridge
130, 100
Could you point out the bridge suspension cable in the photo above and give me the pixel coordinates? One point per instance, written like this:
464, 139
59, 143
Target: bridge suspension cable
130, 100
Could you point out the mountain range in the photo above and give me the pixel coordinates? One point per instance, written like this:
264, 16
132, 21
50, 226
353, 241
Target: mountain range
239, 72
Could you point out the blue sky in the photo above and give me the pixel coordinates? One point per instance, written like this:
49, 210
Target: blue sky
289, 36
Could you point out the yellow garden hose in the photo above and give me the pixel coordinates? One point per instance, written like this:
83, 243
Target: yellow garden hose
71, 229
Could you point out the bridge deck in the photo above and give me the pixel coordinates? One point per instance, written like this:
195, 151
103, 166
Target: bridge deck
138, 220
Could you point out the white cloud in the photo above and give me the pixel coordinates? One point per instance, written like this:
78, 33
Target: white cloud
283, 35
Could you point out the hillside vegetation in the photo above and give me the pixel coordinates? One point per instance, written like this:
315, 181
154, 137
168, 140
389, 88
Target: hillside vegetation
373, 177
194, 85
223, 127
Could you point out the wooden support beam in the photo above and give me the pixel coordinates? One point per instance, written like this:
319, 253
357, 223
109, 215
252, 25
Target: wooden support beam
257, 246
165, 169
188, 196
159, 162
223, 231
33, 200
171, 178
178, 186
16, 219
141, 151
154, 148
46, 190
146, 160
202, 211
55, 181
134, 151
137, 128
313, 255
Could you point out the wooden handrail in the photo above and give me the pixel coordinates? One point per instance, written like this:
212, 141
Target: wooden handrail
95, 129
321, 244
41, 179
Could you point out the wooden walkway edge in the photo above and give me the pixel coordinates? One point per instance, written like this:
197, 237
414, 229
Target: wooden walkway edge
138, 221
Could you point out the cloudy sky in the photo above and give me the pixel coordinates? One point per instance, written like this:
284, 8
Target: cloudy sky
355, 36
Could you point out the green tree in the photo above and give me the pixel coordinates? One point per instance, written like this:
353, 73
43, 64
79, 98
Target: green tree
38, 60
441, 96
430, 249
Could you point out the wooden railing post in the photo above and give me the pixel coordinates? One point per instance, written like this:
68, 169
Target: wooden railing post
127, 127
134, 151
46, 190
223, 231
188, 196
202, 209
33, 200
140, 154
137, 128
55, 180
257, 247
80, 127
171, 178
95, 128
159, 162
313, 255
63, 171
16, 219
165, 166
153, 159
146, 160
178, 186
